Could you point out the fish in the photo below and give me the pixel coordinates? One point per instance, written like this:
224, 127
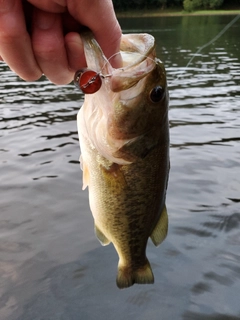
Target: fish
124, 140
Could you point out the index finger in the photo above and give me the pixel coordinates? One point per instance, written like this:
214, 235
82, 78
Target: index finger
101, 19
15, 43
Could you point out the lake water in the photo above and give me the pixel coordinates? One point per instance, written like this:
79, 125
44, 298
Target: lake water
51, 265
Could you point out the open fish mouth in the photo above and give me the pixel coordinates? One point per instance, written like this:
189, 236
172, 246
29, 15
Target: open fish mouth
138, 60
131, 75
138, 56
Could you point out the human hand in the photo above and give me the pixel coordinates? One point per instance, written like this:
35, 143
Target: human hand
42, 36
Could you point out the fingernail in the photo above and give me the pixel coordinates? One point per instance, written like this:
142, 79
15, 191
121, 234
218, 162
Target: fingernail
44, 20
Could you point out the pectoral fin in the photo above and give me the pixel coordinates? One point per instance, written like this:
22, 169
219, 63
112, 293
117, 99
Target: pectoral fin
101, 237
84, 168
160, 231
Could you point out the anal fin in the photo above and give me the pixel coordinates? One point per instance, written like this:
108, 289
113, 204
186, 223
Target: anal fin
101, 237
160, 231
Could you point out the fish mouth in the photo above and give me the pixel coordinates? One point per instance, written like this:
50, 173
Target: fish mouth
138, 60
138, 56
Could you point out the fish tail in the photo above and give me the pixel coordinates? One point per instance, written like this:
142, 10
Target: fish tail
127, 277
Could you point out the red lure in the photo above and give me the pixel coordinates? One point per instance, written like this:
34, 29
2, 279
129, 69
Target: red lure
87, 80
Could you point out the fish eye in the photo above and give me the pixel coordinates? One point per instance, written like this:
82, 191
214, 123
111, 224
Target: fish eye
156, 94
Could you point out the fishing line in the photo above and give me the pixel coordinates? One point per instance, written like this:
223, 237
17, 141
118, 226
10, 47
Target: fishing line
90, 81
210, 42
192, 58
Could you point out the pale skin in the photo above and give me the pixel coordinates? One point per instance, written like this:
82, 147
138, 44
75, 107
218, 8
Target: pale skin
44, 36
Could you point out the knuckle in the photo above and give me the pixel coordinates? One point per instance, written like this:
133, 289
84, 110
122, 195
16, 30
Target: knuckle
46, 51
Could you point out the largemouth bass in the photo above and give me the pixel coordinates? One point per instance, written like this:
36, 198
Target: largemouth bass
124, 140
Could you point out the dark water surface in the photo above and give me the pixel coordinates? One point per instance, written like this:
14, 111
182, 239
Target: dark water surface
51, 265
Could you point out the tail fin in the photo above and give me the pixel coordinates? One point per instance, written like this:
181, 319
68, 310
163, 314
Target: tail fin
127, 277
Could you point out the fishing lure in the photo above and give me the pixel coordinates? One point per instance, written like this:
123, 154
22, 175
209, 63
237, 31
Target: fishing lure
90, 81
87, 80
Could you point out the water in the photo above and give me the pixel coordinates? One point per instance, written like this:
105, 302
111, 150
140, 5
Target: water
51, 265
